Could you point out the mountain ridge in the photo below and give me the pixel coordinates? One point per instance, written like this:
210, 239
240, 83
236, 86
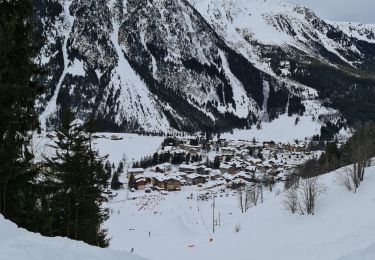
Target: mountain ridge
198, 64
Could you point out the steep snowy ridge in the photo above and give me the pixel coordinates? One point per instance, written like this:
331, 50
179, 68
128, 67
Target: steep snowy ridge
179, 54
249, 24
137, 103
19, 244
301, 50
364, 32
198, 64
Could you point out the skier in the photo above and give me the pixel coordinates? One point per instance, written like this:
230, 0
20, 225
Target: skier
132, 250
149, 233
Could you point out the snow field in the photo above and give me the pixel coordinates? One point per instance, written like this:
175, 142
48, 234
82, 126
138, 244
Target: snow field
342, 228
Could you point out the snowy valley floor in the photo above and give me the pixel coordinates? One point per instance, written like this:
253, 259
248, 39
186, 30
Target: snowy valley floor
343, 227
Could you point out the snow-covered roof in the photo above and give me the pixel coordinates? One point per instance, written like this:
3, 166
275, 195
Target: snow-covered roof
194, 176
140, 180
228, 149
188, 166
135, 170
225, 166
228, 176
251, 168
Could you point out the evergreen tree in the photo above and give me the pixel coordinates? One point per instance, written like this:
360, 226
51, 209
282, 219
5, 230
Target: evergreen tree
216, 164
115, 182
136, 165
187, 158
132, 183
120, 168
207, 164
108, 169
76, 172
19, 191
178, 158
155, 159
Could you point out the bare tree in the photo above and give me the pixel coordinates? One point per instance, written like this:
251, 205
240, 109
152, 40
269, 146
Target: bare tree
291, 201
253, 195
309, 191
360, 150
345, 177
241, 199
248, 196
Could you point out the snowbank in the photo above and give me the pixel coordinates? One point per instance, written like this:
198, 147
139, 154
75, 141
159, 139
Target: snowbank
19, 244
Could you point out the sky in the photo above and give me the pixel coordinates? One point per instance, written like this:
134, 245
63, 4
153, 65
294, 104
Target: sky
362, 11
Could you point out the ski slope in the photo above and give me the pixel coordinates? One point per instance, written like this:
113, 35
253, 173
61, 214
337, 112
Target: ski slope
342, 229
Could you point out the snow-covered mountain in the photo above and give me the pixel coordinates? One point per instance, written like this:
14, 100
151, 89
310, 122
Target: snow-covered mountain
19, 244
199, 64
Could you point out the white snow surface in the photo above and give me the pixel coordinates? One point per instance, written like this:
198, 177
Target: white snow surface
284, 128
342, 229
76, 68
132, 146
19, 244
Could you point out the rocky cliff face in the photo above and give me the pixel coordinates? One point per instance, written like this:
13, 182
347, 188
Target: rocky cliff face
197, 64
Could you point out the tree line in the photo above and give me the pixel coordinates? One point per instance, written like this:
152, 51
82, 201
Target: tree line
303, 186
167, 157
357, 151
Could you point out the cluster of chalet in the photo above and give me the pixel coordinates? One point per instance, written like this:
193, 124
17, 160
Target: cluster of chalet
159, 177
239, 162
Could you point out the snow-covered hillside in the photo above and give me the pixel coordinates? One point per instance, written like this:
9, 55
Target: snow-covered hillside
289, 128
180, 228
19, 244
